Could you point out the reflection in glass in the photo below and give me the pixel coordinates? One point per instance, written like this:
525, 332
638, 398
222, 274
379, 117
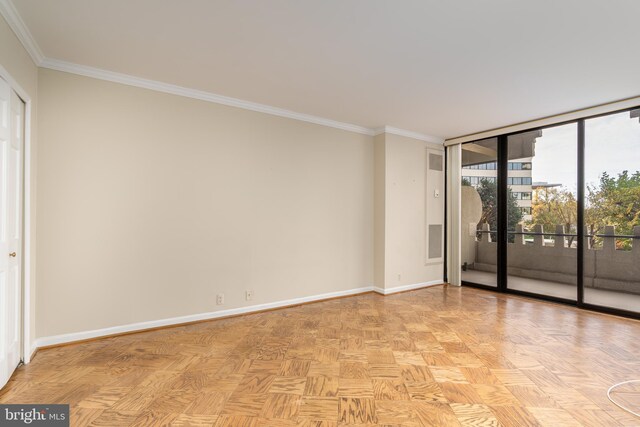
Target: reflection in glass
612, 211
542, 212
479, 212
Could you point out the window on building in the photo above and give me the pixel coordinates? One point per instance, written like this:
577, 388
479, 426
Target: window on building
477, 180
526, 210
519, 180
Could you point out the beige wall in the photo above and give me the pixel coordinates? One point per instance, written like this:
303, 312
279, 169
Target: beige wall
151, 204
17, 62
402, 210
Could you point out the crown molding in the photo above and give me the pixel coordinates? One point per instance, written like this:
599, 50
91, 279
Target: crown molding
409, 134
157, 86
126, 79
11, 15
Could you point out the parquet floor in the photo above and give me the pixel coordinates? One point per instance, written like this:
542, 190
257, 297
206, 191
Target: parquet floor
440, 356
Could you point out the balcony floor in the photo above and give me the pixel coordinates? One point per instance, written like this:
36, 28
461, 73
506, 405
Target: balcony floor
605, 298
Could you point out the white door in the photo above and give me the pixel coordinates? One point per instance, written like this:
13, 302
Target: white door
11, 143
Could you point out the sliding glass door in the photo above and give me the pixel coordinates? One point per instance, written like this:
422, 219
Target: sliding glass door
554, 212
542, 184
479, 212
612, 211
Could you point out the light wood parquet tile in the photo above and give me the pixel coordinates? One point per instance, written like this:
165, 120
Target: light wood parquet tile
460, 393
153, 419
84, 416
348, 387
316, 423
413, 373
389, 390
440, 356
324, 369
104, 397
321, 386
288, 385
113, 418
208, 403
186, 420
226, 383
409, 358
295, 368
385, 371
549, 417
354, 370
436, 414
236, 421
319, 408
593, 418
396, 413
449, 374
474, 415
495, 395
356, 410
514, 416
428, 391
255, 383
481, 375
241, 403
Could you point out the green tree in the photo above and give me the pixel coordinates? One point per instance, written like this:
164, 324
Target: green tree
488, 191
554, 206
614, 201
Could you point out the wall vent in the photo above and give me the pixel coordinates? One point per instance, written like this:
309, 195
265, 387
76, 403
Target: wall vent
435, 162
435, 240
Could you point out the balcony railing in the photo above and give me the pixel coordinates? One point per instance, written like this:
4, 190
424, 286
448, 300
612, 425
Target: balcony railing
605, 266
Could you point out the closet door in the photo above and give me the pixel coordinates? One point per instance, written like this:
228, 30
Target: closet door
11, 149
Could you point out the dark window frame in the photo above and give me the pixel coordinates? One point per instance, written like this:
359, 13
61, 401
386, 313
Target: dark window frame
502, 234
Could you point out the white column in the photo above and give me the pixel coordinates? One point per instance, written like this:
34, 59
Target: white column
454, 183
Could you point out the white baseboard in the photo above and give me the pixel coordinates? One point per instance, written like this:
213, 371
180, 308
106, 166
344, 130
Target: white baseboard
389, 291
114, 330
79, 336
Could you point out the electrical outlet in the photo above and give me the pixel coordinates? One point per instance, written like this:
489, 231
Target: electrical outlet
220, 299
399, 276
249, 295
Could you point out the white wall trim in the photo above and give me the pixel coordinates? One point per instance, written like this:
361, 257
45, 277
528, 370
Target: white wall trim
141, 326
78, 336
409, 134
11, 15
172, 89
389, 291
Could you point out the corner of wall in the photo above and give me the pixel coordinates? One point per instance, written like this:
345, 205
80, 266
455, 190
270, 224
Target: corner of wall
401, 213
379, 211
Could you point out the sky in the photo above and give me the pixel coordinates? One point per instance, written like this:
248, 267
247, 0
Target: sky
612, 144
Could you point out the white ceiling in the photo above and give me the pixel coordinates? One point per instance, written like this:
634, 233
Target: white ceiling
443, 68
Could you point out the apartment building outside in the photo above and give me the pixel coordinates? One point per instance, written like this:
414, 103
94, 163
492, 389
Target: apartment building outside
518, 180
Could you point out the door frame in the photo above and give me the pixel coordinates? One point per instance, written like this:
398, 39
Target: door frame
28, 263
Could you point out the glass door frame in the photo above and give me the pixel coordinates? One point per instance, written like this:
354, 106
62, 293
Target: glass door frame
502, 221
